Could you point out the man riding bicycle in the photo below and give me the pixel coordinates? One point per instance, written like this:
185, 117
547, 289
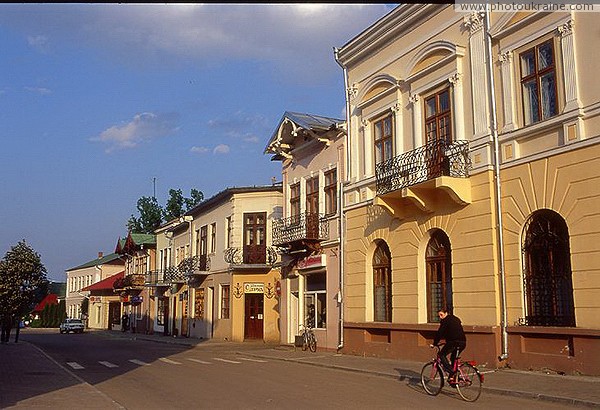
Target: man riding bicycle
452, 332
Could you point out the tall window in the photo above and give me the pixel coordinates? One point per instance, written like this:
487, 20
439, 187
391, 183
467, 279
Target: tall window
213, 237
203, 240
199, 304
384, 135
312, 195
438, 117
225, 295
229, 224
382, 283
315, 301
438, 265
538, 83
547, 271
295, 201
160, 311
331, 192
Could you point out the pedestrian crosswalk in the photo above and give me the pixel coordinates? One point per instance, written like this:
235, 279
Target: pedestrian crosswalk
213, 360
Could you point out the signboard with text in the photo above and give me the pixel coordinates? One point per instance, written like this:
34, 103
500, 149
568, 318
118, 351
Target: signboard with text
313, 262
254, 288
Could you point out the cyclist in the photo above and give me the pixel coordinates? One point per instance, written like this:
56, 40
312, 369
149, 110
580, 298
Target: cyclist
452, 331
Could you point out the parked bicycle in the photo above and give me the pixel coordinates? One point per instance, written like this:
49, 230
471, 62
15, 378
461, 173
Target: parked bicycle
309, 340
468, 381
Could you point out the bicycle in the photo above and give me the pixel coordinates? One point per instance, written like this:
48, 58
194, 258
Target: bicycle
468, 380
309, 340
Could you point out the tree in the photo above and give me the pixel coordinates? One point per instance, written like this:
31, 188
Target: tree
22, 274
150, 216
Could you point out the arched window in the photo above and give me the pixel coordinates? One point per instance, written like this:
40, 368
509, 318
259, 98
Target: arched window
438, 263
382, 283
547, 271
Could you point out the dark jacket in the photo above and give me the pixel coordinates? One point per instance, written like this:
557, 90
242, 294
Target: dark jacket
450, 330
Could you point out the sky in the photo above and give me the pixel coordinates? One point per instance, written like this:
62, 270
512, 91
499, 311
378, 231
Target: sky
101, 104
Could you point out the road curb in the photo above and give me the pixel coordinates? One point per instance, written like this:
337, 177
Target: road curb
411, 379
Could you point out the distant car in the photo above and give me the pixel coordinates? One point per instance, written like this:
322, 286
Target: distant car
72, 325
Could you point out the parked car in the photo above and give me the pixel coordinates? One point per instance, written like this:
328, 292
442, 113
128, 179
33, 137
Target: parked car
72, 325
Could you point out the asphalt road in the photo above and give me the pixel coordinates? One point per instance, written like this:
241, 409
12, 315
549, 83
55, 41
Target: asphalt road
139, 374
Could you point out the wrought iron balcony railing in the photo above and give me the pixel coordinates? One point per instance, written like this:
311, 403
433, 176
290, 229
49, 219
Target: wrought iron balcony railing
307, 226
260, 255
130, 281
155, 277
194, 264
432, 160
174, 275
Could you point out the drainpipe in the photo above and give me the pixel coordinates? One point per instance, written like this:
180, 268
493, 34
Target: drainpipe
188, 219
341, 224
498, 192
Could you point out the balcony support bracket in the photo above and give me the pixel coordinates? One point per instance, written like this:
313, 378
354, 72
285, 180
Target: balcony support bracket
459, 189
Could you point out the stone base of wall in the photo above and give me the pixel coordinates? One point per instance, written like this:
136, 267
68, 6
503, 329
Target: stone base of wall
560, 350
555, 349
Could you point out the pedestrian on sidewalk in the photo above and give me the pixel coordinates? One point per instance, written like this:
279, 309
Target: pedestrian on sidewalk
6, 327
18, 323
452, 332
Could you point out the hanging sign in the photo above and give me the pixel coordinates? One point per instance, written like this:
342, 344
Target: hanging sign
312, 262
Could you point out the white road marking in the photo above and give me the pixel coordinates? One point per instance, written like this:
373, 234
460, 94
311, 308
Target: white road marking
253, 360
136, 361
75, 365
225, 360
164, 359
199, 361
108, 364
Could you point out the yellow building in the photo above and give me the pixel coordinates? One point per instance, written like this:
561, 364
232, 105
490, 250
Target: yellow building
216, 277
443, 149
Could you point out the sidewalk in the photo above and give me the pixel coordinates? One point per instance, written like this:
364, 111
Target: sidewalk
570, 390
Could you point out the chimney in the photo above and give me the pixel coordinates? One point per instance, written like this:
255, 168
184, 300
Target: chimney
100, 255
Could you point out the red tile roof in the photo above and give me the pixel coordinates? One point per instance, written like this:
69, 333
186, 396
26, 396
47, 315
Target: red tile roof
105, 284
51, 299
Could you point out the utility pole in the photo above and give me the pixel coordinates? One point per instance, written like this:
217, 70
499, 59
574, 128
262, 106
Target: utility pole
154, 187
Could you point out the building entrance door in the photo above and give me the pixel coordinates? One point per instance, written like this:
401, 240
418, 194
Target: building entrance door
114, 314
253, 323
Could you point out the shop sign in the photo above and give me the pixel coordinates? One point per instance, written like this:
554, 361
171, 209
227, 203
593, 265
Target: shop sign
137, 299
124, 298
254, 288
312, 262
95, 299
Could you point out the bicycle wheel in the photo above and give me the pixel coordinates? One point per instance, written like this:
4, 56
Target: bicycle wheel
304, 341
468, 382
432, 378
312, 342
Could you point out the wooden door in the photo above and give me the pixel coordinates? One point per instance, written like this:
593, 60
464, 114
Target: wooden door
253, 323
255, 241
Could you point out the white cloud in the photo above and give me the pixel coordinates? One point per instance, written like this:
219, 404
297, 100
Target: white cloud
143, 127
38, 42
293, 38
199, 150
221, 149
39, 90
252, 138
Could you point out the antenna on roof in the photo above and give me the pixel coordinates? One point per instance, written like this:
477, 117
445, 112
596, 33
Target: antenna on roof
154, 188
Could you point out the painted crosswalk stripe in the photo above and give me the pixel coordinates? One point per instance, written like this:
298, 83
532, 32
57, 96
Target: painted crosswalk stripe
75, 365
253, 360
108, 364
199, 361
136, 361
225, 360
164, 359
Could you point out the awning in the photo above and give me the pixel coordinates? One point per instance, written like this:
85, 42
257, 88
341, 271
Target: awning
105, 284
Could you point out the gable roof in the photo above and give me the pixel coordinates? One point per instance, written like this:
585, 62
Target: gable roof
135, 241
105, 284
227, 193
293, 124
98, 261
50, 299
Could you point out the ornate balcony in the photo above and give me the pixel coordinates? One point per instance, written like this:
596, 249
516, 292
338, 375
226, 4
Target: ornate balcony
307, 228
133, 281
174, 275
155, 278
259, 256
194, 265
417, 173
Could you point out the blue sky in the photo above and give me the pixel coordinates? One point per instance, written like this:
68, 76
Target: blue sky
96, 100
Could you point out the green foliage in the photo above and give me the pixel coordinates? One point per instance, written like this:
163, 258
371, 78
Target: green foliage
45, 316
85, 305
62, 311
152, 215
22, 275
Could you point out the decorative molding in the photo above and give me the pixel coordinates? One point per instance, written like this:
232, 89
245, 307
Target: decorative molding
414, 98
506, 57
455, 78
352, 91
566, 28
474, 22
396, 108
364, 123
